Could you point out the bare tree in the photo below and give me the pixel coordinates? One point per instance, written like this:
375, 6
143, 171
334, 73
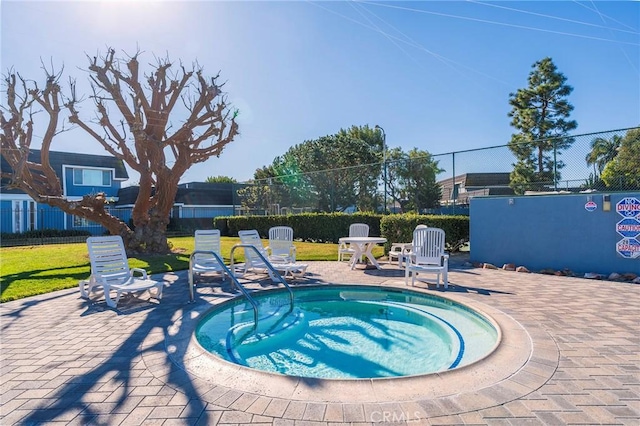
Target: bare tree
132, 122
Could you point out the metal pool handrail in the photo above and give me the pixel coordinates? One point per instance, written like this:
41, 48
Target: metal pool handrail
274, 271
231, 276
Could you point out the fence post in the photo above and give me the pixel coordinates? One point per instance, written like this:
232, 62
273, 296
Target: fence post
555, 167
333, 190
453, 182
233, 199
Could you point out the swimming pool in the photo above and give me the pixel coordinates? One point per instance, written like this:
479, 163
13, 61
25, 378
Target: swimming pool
348, 332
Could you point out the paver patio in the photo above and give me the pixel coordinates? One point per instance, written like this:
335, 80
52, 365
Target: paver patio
68, 361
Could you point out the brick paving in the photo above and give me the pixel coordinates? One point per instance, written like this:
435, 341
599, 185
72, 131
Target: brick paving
69, 361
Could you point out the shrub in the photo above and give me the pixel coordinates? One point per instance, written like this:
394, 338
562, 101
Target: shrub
314, 227
329, 227
398, 228
45, 233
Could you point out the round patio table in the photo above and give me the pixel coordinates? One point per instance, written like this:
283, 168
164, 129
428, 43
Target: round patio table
363, 246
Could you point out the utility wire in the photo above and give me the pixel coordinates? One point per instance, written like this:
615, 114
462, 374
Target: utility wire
606, 16
486, 21
409, 42
595, 8
552, 17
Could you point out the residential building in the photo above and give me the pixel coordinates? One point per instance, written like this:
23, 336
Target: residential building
460, 189
79, 174
193, 200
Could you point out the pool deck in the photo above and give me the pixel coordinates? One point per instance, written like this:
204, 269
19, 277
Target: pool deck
570, 355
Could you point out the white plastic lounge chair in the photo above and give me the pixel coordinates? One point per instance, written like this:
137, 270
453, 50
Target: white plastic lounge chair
345, 251
110, 271
254, 263
428, 255
281, 248
397, 251
207, 240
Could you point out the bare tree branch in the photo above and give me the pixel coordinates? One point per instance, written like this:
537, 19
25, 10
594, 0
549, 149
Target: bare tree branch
136, 131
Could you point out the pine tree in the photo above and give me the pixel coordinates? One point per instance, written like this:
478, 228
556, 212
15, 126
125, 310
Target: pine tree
540, 113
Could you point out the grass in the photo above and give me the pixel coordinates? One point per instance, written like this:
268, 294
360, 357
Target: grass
31, 270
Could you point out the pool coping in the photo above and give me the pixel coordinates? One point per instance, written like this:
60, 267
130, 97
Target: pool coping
524, 361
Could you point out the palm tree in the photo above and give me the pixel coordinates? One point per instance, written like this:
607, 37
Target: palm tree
603, 150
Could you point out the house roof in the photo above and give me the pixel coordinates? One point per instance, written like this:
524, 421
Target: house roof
193, 194
479, 180
58, 159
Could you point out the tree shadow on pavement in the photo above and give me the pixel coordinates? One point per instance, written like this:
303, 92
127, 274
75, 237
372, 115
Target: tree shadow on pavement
119, 372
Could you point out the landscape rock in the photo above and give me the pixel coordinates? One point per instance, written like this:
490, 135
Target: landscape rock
489, 266
593, 276
627, 277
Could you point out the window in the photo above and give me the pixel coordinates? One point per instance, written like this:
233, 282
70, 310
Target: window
32, 215
82, 222
17, 216
91, 177
455, 191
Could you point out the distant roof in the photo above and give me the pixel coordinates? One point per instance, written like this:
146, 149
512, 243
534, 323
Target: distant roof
57, 159
193, 194
480, 179
487, 179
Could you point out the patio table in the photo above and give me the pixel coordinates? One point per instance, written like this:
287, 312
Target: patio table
363, 246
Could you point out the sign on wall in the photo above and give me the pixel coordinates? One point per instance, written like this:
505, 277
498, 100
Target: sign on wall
629, 228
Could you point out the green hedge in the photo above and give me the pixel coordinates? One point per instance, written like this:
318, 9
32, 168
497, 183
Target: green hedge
314, 227
329, 227
45, 233
398, 228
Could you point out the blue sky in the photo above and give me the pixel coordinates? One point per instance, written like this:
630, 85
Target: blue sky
434, 75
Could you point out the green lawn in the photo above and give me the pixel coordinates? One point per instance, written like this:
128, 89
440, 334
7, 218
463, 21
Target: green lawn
30, 270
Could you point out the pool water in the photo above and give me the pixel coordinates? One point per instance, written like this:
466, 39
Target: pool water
343, 332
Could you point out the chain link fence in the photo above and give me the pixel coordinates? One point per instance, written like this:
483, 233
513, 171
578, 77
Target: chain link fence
444, 183
432, 184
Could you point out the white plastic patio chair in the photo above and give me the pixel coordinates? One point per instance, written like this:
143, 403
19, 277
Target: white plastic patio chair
406, 248
345, 251
281, 248
427, 256
110, 271
397, 251
207, 240
254, 263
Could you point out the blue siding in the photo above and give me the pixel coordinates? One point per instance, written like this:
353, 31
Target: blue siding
50, 217
549, 231
6, 221
123, 214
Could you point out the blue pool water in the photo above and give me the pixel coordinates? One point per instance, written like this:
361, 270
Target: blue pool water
343, 332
